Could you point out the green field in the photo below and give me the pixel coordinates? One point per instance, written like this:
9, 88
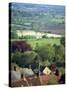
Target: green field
39, 42
34, 42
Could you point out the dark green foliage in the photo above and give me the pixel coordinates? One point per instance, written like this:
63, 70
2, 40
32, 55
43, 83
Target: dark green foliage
62, 41
59, 53
46, 52
25, 58
62, 70
44, 36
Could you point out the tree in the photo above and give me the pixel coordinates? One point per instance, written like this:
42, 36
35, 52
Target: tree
26, 58
44, 36
59, 58
46, 52
59, 52
62, 41
20, 46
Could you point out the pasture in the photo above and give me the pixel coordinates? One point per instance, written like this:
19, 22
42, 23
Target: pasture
39, 42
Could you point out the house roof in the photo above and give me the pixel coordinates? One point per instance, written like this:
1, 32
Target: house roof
27, 72
15, 75
46, 71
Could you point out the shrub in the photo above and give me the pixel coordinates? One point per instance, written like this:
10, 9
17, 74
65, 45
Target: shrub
44, 36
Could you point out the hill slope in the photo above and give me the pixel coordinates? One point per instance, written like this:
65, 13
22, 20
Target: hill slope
38, 17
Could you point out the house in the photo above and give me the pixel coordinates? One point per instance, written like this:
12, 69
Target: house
14, 67
53, 35
46, 71
15, 75
26, 72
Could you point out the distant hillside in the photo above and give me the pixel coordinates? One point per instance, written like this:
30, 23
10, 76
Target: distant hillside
37, 17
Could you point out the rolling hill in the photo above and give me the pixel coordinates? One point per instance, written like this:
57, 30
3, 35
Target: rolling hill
37, 17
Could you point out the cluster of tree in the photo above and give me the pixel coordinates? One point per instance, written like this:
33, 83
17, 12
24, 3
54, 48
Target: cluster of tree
26, 58
23, 55
55, 53
20, 46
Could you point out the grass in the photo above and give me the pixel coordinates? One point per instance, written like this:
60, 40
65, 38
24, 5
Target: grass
39, 42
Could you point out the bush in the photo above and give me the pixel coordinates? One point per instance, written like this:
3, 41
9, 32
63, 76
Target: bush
44, 36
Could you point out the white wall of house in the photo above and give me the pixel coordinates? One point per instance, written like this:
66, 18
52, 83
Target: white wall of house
31, 33
53, 35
